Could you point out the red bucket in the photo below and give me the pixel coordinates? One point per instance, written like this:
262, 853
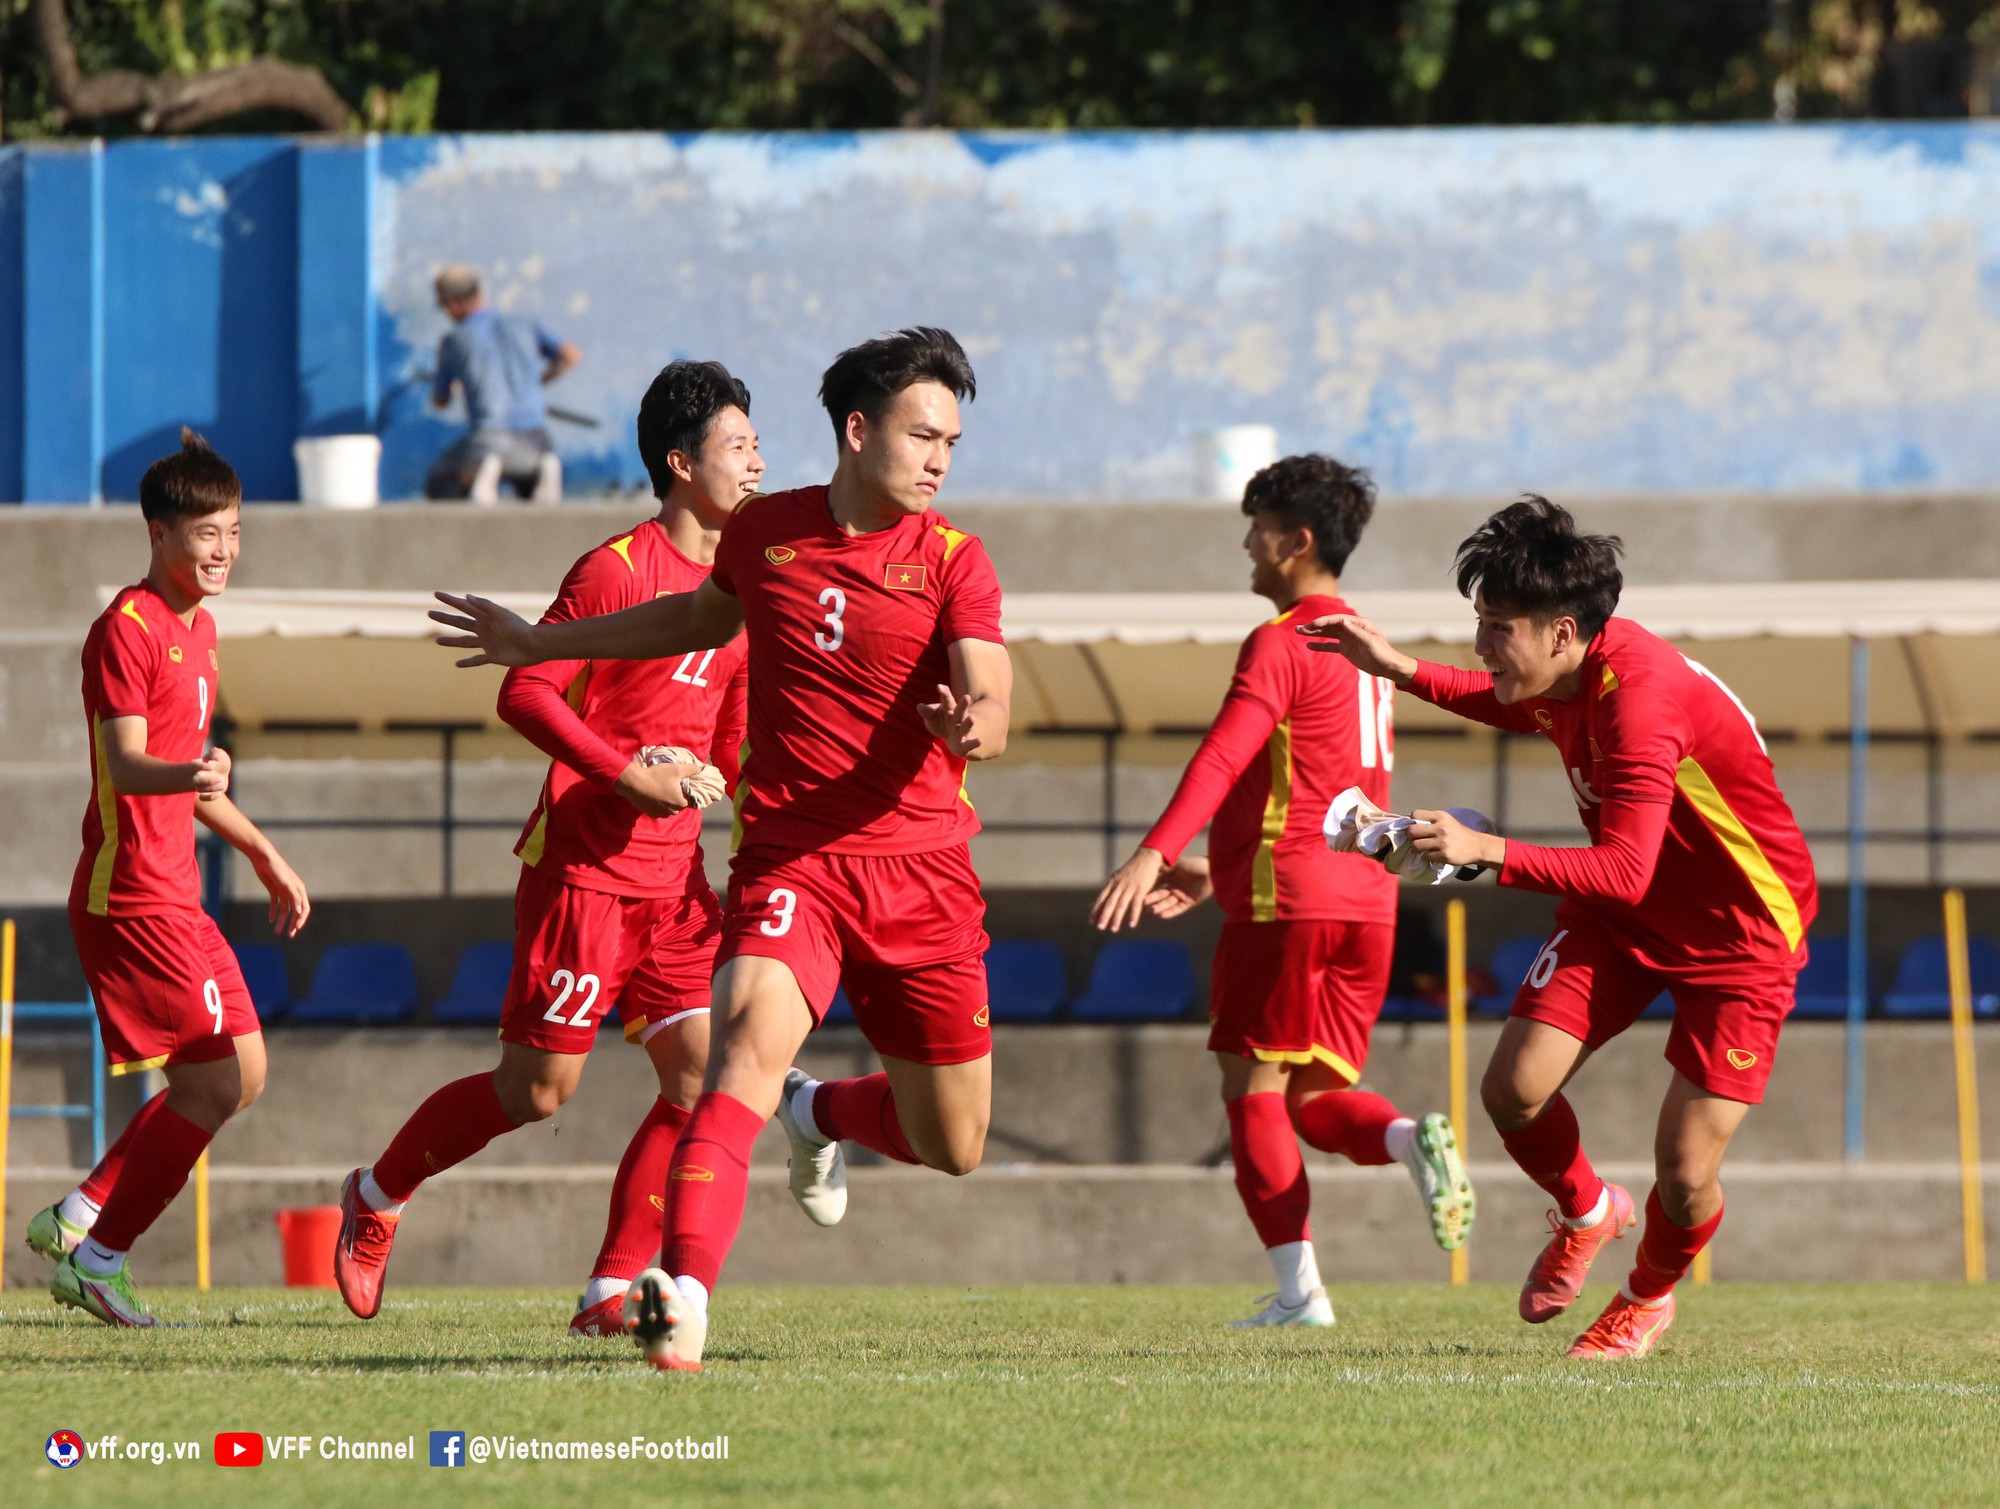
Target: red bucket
308, 1237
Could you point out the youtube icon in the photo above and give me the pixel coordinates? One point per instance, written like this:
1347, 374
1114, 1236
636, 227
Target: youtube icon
239, 1448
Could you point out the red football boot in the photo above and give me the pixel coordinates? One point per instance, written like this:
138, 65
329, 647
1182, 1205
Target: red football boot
361, 1255
1625, 1329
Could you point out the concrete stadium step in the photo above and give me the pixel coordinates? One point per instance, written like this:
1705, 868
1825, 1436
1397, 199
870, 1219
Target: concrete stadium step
1010, 1223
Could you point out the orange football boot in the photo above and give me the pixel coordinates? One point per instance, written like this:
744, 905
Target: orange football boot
1557, 1277
1626, 1328
361, 1254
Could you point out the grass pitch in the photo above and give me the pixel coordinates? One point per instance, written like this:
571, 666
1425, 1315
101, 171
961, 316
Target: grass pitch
1865, 1394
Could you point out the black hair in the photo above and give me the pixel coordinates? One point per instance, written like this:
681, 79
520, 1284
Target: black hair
192, 483
864, 378
677, 411
1530, 559
1318, 493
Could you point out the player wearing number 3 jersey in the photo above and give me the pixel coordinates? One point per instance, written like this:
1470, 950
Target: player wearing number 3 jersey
1696, 881
613, 910
168, 991
877, 671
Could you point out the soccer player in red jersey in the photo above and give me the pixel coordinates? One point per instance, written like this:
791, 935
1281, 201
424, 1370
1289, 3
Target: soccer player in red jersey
876, 672
1696, 881
168, 991
1303, 962
613, 906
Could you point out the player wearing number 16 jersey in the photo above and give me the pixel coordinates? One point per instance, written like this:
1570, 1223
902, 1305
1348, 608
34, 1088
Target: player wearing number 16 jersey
613, 909
1696, 881
168, 991
876, 672
1303, 962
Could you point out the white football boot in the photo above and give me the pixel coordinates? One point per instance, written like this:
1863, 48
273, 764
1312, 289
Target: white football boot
668, 1330
1316, 1311
818, 1168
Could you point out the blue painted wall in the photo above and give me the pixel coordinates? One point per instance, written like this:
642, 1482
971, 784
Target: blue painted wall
1475, 311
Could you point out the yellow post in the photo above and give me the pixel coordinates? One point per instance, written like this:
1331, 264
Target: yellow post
6, 1065
1702, 1271
1969, 1172
1454, 922
201, 1220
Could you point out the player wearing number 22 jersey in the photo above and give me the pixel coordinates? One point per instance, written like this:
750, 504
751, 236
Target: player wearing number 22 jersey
613, 910
877, 671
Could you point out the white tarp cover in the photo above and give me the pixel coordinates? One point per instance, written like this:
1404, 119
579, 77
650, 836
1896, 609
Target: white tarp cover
1144, 661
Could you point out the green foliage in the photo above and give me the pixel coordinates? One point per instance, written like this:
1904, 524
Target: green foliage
491, 65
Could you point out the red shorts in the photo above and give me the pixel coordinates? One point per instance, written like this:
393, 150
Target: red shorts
1588, 982
167, 986
905, 932
579, 952
1300, 992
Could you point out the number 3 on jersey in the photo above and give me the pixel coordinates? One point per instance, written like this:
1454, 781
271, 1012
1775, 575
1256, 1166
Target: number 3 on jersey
834, 635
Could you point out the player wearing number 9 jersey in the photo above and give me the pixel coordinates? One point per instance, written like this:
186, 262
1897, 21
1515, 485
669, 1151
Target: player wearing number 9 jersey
613, 910
168, 992
1696, 882
1303, 962
877, 671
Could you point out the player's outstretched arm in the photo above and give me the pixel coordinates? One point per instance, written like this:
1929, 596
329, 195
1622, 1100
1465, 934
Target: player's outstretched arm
970, 716
1366, 646
699, 620
133, 772
290, 906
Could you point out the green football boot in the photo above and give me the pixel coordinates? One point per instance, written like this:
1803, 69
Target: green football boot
53, 1236
107, 1296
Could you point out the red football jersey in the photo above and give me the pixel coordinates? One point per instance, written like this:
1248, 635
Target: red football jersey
1694, 854
1296, 728
141, 661
848, 633
592, 716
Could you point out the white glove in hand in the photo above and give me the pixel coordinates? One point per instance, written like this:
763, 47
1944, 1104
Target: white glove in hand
1355, 825
703, 787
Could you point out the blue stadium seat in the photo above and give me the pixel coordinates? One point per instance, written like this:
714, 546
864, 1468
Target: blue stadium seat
479, 986
1822, 987
1138, 980
1412, 1009
1025, 982
361, 984
1511, 962
1922, 988
263, 966
841, 1012
1659, 1009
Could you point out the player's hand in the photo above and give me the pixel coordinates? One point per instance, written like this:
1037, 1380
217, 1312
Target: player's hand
1360, 641
211, 774
501, 636
1439, 835
1182, 888
290, 906
1123, 900
950, 721
656, 790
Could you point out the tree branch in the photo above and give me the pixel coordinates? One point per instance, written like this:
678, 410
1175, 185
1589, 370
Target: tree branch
181, 103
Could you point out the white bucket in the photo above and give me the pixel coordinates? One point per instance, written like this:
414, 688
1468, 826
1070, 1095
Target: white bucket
1226, 459
339, 471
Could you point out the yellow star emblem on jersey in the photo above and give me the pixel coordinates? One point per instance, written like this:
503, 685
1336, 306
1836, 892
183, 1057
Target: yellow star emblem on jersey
904, 577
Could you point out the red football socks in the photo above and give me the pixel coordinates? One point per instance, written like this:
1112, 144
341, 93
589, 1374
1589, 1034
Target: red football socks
156, 1166
708, 1179
1270, 1174
96, 1186
632, 1234
1550, 1151
863, 1111
447, 1129
1352, 1123
1666, 1251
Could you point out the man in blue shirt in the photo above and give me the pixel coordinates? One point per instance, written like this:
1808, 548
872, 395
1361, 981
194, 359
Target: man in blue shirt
500, 364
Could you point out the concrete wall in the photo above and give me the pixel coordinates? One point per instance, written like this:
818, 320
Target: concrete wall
1573, 310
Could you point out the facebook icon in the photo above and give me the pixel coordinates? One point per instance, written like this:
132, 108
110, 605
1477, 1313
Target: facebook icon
447, 1448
